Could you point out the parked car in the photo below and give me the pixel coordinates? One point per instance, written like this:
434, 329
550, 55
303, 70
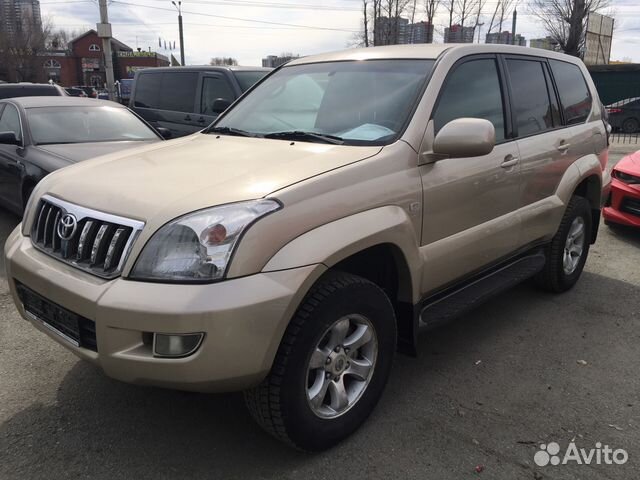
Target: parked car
75, 92
187, 99
11, 90
347, 201
623, 205
41, 134
103, 95
124, 90
624, 115
91, 92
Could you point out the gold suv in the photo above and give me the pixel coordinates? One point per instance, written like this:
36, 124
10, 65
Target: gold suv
345, 202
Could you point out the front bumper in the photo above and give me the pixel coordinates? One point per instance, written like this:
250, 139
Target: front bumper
619, 207
243, 319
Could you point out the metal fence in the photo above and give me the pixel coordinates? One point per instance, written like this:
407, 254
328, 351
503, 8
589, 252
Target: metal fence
624, 118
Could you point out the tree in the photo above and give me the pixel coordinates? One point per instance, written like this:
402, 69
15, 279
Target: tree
218, 61
431, 8
21, 51
565, 20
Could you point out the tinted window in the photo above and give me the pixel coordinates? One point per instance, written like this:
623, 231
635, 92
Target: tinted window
166, 91
28, 91
179, 91
148, 90
214, 88
574, 94
247, 79
533, 112
472, 90
10, 121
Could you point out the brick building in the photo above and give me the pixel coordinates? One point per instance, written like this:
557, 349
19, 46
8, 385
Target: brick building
82, 63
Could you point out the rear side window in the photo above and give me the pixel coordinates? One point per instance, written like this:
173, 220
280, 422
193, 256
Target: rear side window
531, 99
166, 91
574, 94
10, 121
472, 90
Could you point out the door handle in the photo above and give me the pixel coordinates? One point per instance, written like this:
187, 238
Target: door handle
201, 120
563, 147
509, 161
188, 118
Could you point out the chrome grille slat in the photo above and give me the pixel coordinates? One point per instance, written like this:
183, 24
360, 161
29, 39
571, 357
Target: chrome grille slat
98, 242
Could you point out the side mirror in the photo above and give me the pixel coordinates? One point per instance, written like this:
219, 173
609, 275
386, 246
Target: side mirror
164, 133
465, 137
219, 105
9, 138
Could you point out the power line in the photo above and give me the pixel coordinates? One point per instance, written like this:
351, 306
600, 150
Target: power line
311, 27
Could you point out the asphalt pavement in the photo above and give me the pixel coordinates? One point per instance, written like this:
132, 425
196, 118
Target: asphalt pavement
525, 369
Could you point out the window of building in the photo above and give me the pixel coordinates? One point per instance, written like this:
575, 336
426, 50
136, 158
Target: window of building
572, 88
94, 47
472, 90
52, 64
530, 97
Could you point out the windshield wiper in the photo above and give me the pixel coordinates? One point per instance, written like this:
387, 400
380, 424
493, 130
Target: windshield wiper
232, 131
300, 135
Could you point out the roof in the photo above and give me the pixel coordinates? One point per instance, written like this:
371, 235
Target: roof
117, 43
35, 102
425, 51
212, 68
25, 85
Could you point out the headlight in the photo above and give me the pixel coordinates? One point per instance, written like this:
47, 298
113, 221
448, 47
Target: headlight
197, 247
626, 178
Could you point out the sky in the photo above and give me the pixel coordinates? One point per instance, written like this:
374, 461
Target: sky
248, 30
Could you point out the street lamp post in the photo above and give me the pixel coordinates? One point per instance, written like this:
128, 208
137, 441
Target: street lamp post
479, 29
179, 8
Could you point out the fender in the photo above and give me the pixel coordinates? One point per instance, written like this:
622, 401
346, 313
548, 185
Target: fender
337, 240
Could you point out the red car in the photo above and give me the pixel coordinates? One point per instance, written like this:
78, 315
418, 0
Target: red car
623, 206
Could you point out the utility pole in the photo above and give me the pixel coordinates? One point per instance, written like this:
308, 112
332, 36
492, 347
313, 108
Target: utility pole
104, 32
513, 26
179, 8
479, 29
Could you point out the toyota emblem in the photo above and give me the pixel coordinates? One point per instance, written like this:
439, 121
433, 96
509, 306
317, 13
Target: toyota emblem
67, 226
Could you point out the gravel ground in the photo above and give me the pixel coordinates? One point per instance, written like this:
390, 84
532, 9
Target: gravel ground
524, 369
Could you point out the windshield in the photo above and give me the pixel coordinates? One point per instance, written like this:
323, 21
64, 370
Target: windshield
358, 102
247, 79
86, 124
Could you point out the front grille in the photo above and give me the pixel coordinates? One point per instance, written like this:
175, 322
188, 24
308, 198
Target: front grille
78, 330
630, 205
92, 241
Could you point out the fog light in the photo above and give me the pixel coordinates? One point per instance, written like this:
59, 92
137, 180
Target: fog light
177, 345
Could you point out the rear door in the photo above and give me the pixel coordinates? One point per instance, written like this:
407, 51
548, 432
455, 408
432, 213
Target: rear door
168, 100
547, 142
215, 92
10, 158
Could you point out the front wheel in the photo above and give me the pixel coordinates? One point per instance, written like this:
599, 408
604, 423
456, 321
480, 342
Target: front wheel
568, 250
332, 364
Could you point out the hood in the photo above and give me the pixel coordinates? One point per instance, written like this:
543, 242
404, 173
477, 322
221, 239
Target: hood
76, 152
630, 164
159, 182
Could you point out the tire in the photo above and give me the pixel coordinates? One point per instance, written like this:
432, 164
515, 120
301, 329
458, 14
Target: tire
281, 404
556, 277
630, 125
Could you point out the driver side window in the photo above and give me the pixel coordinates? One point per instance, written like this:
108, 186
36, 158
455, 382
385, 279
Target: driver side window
472, 90
10, 121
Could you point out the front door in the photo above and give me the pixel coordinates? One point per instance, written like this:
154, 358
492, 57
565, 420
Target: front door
470, 204
10, 159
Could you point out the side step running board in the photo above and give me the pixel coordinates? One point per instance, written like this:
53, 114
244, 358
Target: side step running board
449, 305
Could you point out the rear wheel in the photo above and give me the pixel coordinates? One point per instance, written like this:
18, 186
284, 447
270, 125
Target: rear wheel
567, 252
630, 125
332, 364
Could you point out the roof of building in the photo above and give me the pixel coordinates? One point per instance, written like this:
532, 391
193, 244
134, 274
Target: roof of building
117, 43
37, 102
